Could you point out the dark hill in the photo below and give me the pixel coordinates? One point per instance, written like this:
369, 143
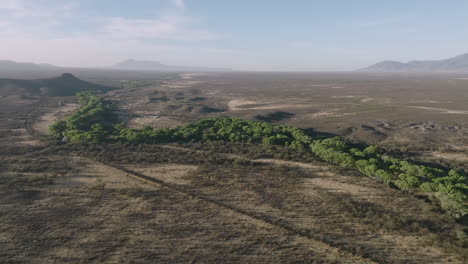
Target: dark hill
64, 85
455, 64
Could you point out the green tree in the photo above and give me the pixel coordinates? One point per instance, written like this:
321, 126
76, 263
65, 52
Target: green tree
58, 128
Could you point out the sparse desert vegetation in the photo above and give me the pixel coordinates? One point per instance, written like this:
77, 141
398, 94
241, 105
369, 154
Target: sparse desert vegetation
177, 131
258, 182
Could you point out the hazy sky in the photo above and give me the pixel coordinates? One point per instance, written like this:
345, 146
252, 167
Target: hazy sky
240, 34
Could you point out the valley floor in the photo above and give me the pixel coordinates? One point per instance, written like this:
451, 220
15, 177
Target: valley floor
207, 203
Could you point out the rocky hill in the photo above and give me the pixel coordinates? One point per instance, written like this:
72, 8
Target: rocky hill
64, 85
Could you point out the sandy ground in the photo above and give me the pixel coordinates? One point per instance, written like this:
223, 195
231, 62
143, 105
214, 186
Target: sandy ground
155, 122
449, 156
94, 173
441, 110
425, 101
171, 173
25, 139
242, 104
188, 76
301, 165
234, 105
42, 125
348, 96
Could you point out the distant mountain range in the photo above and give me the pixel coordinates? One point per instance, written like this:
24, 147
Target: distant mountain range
136, 65
64, 85
129, 65
455, 64
12, 65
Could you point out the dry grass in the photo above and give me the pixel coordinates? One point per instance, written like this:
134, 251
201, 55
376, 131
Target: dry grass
236, 203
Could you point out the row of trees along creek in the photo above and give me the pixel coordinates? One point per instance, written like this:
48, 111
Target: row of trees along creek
447, 187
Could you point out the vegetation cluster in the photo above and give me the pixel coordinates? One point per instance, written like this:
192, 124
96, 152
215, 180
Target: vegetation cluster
447, 187
89, 123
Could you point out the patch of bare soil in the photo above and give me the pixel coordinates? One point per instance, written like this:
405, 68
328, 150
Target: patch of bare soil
341, 187
323, 114
463, 157
188, 76
234, 105
225, 155
42, 124
171, 173
319, 85
180, 84
301, 165
23, 138
185, 81
95, 173
349, 96
242, 104
425, 101
153, 121
441, 110
329, 113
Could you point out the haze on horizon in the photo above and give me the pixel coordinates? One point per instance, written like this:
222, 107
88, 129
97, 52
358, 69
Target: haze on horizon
242, 35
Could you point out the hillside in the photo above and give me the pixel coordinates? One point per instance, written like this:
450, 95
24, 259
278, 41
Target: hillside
64, 85
455, 64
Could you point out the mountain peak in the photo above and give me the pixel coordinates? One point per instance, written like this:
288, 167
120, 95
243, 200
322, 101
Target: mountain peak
463, 55
68, 76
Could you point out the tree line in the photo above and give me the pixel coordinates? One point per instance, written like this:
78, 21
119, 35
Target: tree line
447, 187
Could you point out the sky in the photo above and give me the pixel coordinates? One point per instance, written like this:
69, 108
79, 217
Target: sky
259, 35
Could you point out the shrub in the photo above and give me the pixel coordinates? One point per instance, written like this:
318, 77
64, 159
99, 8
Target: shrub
407, 182
385, 176
58, 128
